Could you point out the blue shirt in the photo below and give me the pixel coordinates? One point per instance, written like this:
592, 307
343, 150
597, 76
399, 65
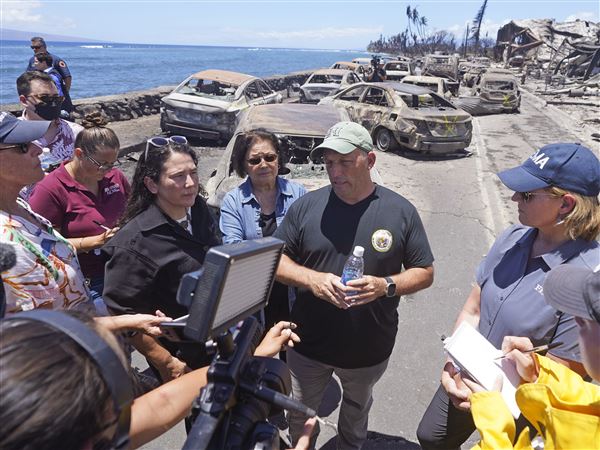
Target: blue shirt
512, 297
240, 210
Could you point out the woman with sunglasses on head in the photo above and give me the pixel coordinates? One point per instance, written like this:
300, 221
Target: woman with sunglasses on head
85, 197
556, 191
255, 208
165, 233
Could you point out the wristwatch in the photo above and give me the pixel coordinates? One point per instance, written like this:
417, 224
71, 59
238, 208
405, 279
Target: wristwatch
390, 289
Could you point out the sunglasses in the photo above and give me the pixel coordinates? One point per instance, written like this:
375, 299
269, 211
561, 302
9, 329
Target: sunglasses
36, 47
23, 148
257, 159
527, 196
103, 166
161, 142
48, 99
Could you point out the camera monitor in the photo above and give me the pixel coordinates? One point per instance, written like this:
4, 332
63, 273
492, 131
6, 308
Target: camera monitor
236, 281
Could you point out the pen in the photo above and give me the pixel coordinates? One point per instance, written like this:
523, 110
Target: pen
100, 225
538, 349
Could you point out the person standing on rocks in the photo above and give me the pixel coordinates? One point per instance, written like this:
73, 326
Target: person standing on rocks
348, 330
38, 45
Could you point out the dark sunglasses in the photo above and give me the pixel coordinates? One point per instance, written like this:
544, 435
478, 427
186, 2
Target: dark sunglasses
48, 99
527, 196
35, 47
103, 166
160, 142
23, 148
257, 159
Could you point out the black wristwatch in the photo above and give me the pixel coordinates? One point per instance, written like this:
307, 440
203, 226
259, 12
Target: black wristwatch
390, 288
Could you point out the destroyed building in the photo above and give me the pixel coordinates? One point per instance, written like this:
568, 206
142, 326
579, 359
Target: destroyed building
571, 49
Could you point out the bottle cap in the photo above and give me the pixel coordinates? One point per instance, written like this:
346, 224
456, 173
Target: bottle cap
358, 251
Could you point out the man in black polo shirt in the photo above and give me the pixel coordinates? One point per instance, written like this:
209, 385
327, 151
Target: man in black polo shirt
349, 330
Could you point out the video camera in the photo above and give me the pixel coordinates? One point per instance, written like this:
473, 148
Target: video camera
242, 390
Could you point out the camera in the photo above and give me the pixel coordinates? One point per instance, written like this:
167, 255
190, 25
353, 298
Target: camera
243, 390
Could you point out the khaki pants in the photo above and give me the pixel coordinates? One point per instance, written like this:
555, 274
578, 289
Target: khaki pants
309, 380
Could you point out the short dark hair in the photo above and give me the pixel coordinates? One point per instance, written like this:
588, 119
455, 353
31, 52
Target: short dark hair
44, 58
244, 142
25, 79
39, 39
53, 394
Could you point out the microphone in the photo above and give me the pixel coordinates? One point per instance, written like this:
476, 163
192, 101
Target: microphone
8, 259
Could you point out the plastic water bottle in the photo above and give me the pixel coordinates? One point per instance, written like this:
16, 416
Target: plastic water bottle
48, 161
355, 265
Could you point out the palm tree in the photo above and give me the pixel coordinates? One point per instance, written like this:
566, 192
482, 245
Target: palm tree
477, 22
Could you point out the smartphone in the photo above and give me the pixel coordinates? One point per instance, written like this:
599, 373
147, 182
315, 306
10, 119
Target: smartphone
173, 330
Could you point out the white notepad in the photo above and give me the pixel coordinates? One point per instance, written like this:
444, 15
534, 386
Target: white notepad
475, 355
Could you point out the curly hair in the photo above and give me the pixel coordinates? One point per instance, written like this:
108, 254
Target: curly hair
141, 198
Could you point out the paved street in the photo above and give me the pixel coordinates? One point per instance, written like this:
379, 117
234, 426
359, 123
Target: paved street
463, 207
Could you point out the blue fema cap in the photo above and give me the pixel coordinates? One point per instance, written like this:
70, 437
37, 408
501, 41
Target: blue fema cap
572, 167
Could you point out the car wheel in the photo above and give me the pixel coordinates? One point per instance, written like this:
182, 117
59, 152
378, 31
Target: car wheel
385, 140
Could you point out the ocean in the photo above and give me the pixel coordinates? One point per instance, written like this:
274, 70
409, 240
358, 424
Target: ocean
106, 69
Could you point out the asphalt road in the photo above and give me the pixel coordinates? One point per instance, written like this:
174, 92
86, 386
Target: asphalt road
463, 206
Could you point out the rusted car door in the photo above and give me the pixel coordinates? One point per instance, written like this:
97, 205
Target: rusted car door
349, 100
372, 107
268, 95
253, 94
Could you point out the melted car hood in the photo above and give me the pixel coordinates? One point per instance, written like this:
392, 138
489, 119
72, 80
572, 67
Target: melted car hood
200, 103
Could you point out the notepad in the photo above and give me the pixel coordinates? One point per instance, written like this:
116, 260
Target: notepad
475, 355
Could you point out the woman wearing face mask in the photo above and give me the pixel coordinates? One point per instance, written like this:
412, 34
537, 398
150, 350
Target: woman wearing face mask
84, 199
40, 100
165, 233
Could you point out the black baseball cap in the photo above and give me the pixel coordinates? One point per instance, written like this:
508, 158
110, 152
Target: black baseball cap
15, 131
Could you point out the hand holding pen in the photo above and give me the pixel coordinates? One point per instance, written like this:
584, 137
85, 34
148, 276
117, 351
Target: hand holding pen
520, 350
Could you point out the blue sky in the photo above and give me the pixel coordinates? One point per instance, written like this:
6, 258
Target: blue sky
300, 24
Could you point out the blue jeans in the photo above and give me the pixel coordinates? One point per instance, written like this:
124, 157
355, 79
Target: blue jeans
96, 287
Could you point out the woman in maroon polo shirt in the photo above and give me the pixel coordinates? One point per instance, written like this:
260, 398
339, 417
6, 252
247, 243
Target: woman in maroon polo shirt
85, 197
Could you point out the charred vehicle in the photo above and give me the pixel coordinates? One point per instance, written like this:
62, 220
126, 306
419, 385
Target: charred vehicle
207, 104
299, 128
326, 82
445, 66
398, 114
397, 70
499, 88
435, 84
345, 65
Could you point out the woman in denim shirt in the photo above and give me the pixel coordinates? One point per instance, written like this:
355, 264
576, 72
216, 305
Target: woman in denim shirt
257, 206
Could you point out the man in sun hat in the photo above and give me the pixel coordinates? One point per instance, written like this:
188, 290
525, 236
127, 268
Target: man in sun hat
349, 330
563, 408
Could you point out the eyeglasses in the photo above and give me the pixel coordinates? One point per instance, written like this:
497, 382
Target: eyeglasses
23, 148
35, 47
526, 196
160, 142
103, 166
49, 99
270, 157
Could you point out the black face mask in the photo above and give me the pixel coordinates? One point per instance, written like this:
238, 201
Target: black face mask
48, 111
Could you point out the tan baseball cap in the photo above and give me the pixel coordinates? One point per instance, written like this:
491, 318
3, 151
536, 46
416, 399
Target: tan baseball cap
343, 138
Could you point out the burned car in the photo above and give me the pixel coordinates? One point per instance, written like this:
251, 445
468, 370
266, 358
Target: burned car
207, 104
397, 70
499, 88
299, 128
445, 66
398, 114
345, 65
326, 82
435, 84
